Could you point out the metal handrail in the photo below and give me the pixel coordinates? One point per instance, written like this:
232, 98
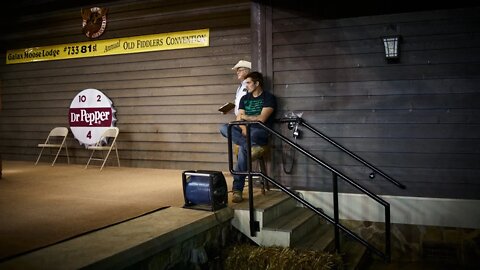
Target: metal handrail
254, 225
300, 121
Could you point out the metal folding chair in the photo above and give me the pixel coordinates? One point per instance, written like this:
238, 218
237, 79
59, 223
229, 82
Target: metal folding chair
56, 139
112, 134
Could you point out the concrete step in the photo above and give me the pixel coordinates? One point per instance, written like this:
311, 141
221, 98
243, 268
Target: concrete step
268, 207
283, 223
354, 254
321, 238
289, 228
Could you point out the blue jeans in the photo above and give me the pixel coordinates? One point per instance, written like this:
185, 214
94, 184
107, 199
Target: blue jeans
258, 135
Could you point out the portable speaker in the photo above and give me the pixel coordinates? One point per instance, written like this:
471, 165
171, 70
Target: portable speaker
204, 190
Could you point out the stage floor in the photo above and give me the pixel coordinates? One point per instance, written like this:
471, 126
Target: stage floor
43, 205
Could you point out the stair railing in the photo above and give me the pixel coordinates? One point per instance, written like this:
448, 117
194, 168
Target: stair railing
300, 121
254, 225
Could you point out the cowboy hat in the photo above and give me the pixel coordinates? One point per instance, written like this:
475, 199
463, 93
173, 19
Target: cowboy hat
244, 64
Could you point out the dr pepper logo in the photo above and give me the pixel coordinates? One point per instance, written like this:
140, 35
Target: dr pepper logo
88, 117
90, 114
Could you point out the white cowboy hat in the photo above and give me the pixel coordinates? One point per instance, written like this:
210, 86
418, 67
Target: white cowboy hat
244, 64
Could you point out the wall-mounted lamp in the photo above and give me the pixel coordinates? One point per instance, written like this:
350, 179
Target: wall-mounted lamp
391, 42
392, 46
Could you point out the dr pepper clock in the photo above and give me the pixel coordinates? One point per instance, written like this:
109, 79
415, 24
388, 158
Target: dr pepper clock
91, 113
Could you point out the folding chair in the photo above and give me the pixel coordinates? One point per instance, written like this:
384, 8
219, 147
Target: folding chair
54, 137
111, 133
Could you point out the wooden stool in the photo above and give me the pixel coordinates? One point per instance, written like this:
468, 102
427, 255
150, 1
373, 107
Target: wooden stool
263, 167
260, 158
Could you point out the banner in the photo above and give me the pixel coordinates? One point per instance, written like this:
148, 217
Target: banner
126, 45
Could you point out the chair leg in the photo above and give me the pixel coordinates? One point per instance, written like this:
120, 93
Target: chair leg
105, 159
66, 149
118, 159
58, 152
39, 155
88, 162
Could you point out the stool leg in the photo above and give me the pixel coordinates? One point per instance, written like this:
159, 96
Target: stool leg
263, 169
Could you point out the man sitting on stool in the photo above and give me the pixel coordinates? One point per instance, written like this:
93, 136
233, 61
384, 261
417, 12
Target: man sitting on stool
256, 105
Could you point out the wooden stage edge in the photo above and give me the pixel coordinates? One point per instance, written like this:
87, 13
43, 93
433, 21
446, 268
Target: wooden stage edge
123, 245
112, 247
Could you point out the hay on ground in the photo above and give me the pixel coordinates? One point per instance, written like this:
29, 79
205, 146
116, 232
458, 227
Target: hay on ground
247, 257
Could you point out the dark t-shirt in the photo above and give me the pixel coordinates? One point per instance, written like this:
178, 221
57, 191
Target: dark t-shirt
254, 105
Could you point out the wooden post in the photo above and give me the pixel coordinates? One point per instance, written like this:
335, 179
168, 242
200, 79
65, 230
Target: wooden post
0, 112
261, 40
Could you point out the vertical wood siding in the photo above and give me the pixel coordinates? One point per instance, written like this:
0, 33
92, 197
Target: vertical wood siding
417, 120
166, 102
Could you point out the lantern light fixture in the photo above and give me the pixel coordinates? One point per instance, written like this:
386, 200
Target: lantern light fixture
391, 45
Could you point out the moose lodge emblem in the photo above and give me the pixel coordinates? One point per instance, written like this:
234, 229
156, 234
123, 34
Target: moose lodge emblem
94, 21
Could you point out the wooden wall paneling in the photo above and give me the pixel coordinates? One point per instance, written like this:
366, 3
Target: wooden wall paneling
310, 174
417, 120
391, 87
166, 102
124, 19
380, 73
